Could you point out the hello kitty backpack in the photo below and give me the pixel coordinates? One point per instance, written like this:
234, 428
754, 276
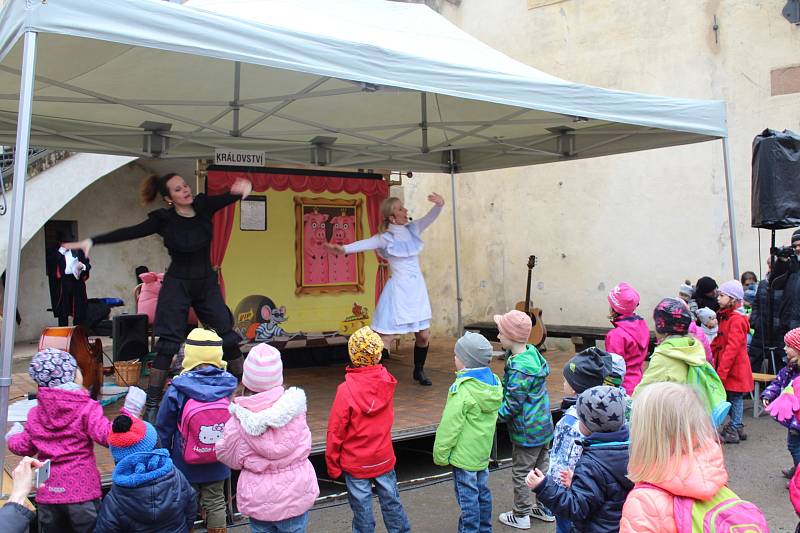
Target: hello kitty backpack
201, 427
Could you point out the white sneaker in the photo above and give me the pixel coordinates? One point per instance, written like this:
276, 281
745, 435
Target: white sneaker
519, 522
542, 513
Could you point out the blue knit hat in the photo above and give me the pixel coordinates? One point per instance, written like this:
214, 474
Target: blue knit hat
130, 435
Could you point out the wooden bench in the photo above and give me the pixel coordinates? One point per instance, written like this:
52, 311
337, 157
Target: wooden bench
581, 336
758, 379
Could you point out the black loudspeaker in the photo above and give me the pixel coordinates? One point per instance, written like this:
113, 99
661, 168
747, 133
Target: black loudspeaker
130, 338
775, 194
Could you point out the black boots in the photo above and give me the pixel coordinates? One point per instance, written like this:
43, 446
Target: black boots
236, 367
420, 354
155, 390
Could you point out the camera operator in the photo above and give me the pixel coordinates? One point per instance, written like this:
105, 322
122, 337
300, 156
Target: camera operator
764, 347
790, 307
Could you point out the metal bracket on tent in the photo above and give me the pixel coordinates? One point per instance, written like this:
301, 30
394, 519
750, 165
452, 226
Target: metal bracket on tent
154, 141
791, 11
451, 163
565, 143
321, 152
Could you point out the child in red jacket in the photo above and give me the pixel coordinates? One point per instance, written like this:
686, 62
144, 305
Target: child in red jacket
359, 441
730, 356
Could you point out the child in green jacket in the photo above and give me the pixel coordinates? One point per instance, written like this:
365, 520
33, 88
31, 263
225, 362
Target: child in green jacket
466, 431
526, 412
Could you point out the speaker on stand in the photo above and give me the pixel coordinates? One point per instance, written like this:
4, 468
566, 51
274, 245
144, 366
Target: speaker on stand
775, 204
129, 333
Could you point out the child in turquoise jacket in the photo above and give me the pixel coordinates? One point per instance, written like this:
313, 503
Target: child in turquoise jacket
526, 412
466, 432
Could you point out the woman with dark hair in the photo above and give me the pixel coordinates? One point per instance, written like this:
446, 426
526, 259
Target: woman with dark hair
190, 281
705, 293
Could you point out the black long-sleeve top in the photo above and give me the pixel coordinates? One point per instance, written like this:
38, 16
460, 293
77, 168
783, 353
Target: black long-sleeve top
187, 239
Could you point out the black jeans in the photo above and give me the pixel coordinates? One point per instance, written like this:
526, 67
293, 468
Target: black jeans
68, 517
174, 300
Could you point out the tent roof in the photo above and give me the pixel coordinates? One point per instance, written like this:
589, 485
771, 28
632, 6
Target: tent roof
369, 83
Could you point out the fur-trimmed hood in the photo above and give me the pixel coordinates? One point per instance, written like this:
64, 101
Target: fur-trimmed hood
269, 409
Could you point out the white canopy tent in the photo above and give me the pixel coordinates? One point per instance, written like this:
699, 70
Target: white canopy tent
353, 83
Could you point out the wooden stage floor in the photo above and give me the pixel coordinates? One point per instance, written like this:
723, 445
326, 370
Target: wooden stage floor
417, 409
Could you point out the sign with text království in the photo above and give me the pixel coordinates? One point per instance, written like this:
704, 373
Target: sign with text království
240, 158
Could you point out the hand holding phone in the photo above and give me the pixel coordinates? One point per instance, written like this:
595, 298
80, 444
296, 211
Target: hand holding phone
42, 473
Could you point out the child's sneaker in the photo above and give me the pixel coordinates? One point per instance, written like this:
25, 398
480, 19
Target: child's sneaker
742, 434
519, 522
542, 513
788, 473
729, 435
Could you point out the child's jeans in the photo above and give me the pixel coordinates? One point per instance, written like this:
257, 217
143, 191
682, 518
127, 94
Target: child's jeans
523, 460
212, 501
563, 525
68, 517
475, 500
359, 494
793, 443
296, 524
737, 408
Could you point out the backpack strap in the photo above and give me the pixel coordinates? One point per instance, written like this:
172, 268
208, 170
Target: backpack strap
681, 507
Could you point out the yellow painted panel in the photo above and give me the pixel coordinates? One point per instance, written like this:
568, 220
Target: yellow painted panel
263, 263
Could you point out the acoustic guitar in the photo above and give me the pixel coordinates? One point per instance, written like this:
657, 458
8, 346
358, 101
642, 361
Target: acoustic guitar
538, 332
88, 355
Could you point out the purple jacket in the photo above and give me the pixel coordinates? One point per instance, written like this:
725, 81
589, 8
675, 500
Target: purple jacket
268, 439
698, 333
784, 377
630, 338
61, 428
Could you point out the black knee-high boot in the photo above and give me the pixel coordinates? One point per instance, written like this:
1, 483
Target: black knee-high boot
385, 354
420, 355
236, 367
155, 390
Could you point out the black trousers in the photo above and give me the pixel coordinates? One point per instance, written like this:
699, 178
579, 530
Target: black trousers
72, 301
174, 300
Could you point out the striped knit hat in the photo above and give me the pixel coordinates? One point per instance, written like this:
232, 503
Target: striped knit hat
263, 368
792, 339
203, 347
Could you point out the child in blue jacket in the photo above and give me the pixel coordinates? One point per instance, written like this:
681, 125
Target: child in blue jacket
204, 380
595, 495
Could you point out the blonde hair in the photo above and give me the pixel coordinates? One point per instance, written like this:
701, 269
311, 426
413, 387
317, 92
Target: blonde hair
668, 422
387, 206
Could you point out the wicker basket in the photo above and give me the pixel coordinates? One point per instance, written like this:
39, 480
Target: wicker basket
127, 372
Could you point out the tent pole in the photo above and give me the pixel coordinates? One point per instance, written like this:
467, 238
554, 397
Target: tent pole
456, 242
726, 154
15, 227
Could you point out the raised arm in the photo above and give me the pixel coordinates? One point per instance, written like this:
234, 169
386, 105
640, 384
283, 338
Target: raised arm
427, 220
373, 243
143, 229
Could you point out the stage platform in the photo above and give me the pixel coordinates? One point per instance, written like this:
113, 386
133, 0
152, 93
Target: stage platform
417, 408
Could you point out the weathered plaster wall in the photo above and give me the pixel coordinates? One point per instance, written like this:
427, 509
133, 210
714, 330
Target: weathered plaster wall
651, 218
109, 203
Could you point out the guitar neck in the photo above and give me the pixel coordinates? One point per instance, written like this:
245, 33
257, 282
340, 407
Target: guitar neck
528, 292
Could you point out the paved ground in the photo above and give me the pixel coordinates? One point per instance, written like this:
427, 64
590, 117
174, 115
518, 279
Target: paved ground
754, 467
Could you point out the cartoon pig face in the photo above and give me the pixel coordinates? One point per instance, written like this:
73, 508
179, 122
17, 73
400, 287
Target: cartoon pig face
211, 434
314, 227
344, 230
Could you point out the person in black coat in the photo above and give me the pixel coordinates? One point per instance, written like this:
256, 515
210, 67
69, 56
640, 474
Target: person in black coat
191, 280
148, 493
67, 273
764, 346
597, 489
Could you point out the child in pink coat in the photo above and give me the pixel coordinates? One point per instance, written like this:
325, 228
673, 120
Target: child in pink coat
268, 439
630, 336
63, 428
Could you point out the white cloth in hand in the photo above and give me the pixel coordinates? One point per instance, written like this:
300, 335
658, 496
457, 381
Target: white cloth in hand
134, 401
16, 429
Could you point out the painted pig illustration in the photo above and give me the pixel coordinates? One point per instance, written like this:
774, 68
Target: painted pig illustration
315, 255
342, 268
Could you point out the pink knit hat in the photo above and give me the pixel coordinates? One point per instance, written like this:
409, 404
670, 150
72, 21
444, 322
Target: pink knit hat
263, 368
732, 289
623, 299
792, 339
514, 325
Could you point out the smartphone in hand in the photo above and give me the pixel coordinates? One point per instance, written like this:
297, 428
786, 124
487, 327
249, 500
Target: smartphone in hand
42, 473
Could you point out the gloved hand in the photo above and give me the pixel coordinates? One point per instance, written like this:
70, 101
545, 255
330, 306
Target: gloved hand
134, 401
16, 429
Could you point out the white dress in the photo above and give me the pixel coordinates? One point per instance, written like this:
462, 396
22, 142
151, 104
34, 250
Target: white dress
403, 306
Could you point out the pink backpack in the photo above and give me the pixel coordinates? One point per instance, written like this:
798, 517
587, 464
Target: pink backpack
201, 426
724, 513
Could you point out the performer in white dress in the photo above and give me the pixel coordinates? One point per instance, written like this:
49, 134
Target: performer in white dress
403, 306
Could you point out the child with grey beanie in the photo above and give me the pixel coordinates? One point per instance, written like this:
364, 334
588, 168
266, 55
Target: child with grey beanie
597, 490
709, 323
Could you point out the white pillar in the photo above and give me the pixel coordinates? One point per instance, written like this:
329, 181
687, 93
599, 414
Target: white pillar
456, 243
726, 154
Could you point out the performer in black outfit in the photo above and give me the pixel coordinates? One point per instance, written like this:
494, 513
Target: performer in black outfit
190, 280
67, 272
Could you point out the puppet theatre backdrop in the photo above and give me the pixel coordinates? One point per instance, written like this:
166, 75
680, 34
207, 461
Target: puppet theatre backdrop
277, 277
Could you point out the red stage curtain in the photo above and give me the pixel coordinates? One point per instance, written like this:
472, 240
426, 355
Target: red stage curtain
219, 181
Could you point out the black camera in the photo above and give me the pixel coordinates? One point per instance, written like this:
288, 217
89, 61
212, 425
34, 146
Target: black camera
784, 252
